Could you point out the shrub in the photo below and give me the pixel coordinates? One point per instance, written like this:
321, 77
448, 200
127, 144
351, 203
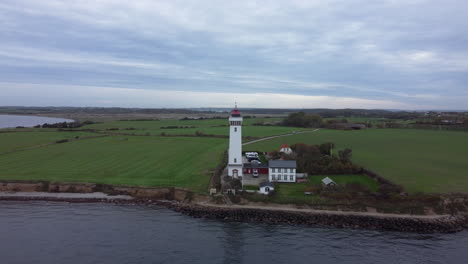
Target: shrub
199, 133
356, 187
315, 188
387, 188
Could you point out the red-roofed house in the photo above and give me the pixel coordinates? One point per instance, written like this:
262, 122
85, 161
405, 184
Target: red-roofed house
285, 149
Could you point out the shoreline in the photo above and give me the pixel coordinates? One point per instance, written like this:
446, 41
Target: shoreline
43, 119
201, 206
334, 219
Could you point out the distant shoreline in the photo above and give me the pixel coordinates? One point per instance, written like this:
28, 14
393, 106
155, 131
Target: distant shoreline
24, 120
200, 206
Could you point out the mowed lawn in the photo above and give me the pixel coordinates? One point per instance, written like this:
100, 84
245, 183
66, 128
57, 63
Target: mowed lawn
297, 189
147, 161
420, 160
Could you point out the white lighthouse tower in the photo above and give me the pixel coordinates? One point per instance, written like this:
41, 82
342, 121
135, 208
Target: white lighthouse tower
235, 163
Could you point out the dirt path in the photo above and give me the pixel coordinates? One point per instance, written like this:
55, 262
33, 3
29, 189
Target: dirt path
330, 212
285, 135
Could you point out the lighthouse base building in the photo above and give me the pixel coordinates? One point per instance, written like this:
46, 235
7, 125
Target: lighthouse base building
235, 162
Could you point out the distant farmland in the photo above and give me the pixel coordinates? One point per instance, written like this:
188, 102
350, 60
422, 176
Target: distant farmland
190, 127
420, 160
145, 158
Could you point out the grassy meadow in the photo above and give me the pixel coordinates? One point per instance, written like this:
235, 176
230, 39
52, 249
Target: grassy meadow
23, 140
147, 161
209, 126
294, 192
145, 158
297, 189
420, 160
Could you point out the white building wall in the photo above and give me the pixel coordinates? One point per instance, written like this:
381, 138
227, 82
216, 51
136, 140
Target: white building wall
278, 175
235, 146
263, 190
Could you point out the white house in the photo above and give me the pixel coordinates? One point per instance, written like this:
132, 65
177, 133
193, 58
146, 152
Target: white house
266, 187
235, 144
282, 171
285, 149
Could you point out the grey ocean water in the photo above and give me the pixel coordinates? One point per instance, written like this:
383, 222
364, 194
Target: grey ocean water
7, 121
55, 232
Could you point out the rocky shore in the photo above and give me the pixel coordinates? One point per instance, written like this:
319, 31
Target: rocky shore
443, 224
199, 206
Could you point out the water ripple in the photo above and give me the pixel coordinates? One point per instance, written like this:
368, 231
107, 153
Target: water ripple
51, 232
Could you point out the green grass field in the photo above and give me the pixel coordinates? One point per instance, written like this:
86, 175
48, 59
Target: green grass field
22, 140
129, 160
420, 160
372, 120
211, 126
294, 192
148, 161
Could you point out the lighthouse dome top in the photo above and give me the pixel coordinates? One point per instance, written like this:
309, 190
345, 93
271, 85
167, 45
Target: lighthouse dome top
235, 113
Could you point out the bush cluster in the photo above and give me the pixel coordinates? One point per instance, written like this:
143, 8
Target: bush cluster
318, 159
302, 119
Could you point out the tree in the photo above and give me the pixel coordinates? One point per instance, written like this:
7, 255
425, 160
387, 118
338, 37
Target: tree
275, 155
326, 148
345, 155
301, 119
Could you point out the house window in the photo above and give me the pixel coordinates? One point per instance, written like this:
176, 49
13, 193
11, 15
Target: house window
291, 178
291, 170
273, 177
285, 177
273, 170
235, 160
279, 170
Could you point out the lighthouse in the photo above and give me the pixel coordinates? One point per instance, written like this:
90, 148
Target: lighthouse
235, 144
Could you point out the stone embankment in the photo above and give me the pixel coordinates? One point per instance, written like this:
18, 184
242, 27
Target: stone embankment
442, 224
195, 205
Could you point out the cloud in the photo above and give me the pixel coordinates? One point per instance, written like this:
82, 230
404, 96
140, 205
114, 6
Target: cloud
382, 51
124, 97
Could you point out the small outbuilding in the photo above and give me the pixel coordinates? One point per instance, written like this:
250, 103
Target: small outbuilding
266, 187
327, 182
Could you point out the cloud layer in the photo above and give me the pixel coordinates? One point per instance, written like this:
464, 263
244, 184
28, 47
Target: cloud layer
336, 54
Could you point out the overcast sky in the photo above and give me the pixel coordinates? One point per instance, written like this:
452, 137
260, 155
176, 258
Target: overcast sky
390, 54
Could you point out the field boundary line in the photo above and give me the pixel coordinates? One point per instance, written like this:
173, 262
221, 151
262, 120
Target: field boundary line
278, 136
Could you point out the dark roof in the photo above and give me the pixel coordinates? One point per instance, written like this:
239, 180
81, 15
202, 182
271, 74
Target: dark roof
254, 165
282, 164
266, 184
